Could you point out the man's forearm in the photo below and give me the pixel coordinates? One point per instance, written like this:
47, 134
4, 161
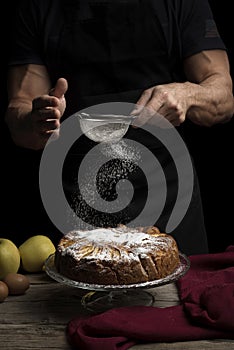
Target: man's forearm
17, 118
210, 102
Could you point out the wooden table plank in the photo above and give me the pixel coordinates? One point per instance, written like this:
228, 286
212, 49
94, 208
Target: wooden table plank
38, 319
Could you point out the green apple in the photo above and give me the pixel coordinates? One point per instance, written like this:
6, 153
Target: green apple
34, 251
9, 257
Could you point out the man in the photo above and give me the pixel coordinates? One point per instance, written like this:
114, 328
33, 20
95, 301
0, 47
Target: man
166, 56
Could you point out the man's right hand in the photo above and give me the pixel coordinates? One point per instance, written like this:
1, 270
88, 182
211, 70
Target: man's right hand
34, 111
47, 111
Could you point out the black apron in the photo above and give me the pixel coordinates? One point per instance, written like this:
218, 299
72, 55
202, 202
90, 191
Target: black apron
112, 51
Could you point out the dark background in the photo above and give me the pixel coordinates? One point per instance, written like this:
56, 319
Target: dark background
213, 153
211, 148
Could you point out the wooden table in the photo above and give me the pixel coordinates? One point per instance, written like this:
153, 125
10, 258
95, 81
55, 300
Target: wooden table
37, 319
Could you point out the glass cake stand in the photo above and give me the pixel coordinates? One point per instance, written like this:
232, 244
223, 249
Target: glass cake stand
104, 297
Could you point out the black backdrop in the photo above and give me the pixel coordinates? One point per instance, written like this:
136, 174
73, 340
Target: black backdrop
213, 152
212, 148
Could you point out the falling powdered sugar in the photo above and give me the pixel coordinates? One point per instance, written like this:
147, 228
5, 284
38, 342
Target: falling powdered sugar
122, 150
104, 191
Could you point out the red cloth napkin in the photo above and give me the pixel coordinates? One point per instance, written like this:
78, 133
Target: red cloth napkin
206, 312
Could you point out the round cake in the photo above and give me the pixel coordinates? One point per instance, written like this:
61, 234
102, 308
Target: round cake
116, 256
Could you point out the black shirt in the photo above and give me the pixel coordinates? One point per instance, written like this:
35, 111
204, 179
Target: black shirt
111, 50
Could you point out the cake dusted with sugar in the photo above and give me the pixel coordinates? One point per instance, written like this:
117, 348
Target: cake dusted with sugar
116, 256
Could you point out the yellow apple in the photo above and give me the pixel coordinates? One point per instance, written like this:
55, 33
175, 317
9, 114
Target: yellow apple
34, 251
9, 257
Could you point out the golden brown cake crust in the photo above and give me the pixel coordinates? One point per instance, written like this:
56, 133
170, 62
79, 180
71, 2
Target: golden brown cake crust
117, 256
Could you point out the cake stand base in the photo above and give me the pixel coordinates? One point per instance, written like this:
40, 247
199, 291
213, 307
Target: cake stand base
98, 302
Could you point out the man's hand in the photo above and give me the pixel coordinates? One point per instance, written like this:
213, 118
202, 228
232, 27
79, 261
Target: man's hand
47, 111
167, 101
206, 98
34, 110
